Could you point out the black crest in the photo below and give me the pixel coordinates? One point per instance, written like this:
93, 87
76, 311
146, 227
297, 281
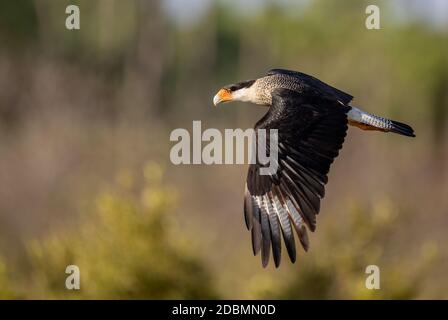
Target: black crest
240, 85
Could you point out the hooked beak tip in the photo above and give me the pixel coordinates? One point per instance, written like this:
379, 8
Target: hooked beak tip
216, 100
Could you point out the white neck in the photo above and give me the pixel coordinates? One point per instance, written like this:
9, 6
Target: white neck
244, 94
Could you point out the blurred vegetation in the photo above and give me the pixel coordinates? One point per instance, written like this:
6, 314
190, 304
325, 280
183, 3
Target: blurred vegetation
78, 107
337, 270
127, 247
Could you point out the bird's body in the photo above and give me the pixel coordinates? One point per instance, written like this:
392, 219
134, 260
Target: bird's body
311, 118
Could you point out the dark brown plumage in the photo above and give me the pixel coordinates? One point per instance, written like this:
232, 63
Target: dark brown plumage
311, 130
311, 119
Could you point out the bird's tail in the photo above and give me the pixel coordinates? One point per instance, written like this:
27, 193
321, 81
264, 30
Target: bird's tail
367, 121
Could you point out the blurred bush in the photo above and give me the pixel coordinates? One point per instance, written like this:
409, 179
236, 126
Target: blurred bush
6, 287
337, 267
127, 247
77, 105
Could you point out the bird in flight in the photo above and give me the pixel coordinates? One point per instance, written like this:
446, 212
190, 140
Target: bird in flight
311, 118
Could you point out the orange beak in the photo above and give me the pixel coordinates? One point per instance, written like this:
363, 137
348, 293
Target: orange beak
223, 95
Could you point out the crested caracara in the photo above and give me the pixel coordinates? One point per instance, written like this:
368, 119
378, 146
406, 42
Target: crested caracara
311, 118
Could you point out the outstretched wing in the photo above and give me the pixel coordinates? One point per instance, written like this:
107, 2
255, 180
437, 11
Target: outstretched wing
311, 130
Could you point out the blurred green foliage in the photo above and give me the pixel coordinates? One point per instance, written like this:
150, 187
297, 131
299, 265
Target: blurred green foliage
7, 290
18, 23
126, 248
337, 270
77, 106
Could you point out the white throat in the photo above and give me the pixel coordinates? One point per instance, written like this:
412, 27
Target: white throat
244, 94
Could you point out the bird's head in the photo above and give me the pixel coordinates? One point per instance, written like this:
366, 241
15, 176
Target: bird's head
235, 92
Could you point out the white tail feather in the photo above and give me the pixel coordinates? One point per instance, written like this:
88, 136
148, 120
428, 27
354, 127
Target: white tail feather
360, 116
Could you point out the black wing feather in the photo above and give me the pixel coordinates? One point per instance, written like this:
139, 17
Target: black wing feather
283, 216
311, 131
265, 232
275, 230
